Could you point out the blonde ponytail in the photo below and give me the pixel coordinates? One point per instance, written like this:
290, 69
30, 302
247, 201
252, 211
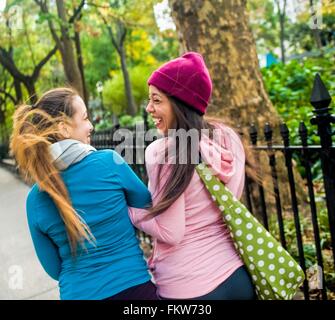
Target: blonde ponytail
34, 130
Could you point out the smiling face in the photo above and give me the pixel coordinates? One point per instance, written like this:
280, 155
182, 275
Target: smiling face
161, 110
82, 126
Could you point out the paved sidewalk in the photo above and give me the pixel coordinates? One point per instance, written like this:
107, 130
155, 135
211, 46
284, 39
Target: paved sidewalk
21, 275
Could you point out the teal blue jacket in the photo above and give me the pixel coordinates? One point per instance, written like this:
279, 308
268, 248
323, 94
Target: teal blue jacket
101, 187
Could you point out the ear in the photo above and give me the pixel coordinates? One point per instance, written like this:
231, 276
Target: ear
64, 129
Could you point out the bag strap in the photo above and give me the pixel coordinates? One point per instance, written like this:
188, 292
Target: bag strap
213, 184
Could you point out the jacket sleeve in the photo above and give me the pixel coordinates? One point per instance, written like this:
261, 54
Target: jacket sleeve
169, 226
46, 250
136, 193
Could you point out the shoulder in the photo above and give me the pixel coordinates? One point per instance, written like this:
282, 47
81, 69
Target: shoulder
31, 197
230, 136
107, 157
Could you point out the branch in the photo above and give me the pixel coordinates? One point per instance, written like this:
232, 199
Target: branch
110, 31
122, 32
8, 95
111, 34
44, 9
284, 9
28, 39
9, 65
38, 68
77, 12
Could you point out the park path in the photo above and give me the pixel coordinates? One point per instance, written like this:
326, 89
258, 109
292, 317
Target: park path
21, 275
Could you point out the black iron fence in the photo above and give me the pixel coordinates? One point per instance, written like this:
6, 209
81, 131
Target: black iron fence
287, 200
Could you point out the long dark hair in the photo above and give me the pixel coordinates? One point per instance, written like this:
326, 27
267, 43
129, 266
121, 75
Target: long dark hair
181, 174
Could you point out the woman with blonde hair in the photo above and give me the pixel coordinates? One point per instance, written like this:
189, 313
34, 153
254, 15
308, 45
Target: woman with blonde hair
77, 209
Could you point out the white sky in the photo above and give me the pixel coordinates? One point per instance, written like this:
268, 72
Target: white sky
163, 16
2, 5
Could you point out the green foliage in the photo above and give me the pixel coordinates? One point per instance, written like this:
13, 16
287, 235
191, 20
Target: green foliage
324, 226
264, 22
129, 121
289, 87
308, 240
165, 46
125, 121
114, 93
99, 57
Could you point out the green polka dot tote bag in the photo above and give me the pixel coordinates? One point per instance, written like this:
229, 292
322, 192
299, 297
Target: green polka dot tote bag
275, 274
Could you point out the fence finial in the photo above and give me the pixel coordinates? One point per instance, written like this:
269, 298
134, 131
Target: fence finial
268, 132
253, 134
320, 97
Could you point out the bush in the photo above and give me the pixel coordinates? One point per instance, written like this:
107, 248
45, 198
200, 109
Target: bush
114, 93
289, 87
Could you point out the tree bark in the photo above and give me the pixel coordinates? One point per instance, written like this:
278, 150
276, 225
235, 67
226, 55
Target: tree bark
127, 84
30, 86
221, 33
18, 90
81, 64
282, 17
118, 39
118, 43
70, 64
316, 31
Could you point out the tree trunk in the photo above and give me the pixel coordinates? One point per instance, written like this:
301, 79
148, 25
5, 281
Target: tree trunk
71, 69
81, 64
30, 86
282, 17
131, 105
118, 40
221, 33
315, 31
18, 90
282, 38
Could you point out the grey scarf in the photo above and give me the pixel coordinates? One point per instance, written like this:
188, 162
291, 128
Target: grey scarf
69, 151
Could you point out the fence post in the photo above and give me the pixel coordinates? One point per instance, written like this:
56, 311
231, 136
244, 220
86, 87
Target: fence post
305, 157
285, 133
272, 162
320, 100
253, 137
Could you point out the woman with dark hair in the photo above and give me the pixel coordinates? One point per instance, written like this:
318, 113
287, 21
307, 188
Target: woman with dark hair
77, 209
193, 254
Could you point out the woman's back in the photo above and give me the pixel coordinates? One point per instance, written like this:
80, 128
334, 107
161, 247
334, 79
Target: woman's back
193, 250
101, 186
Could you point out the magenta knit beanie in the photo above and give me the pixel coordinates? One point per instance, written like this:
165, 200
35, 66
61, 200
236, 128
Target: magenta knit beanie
186, 78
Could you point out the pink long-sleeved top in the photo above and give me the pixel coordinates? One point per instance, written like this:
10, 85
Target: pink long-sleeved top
193, 252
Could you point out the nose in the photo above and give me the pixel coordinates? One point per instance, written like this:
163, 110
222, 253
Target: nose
149, 108
91, 127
